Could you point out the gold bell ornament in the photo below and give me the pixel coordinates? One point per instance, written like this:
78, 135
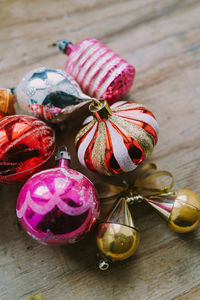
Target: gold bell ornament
118, 237
180, 208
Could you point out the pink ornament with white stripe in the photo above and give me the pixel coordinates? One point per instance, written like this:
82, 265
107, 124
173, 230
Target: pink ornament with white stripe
116, 139
58, 205
100, 72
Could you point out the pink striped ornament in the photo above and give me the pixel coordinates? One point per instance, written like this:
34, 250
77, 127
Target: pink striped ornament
100, 72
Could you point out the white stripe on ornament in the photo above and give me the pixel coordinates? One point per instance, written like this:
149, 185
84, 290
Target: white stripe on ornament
85, 143
75, 55
140, 117
99, 64
118, 103
83, 58
110, 78
89, 62
102, 75
119, 149
87, 120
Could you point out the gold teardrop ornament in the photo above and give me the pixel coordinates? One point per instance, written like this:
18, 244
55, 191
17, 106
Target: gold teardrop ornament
117, 237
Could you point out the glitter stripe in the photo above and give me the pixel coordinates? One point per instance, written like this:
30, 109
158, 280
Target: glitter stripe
85, 57
76, 54
144, 139
98, 153
90, 64
83, 131
140, 117
101, 77
85, 143
102, 89
97, 68
119, 150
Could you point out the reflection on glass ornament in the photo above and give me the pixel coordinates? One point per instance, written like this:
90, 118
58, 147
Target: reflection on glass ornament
59, 205
100, 72
117, 236
26, 147
180, 209
49, 94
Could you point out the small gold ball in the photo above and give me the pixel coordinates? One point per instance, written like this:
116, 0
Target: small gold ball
185, 214
117, 241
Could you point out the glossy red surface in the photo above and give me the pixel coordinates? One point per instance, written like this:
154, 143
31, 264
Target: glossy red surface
26, 147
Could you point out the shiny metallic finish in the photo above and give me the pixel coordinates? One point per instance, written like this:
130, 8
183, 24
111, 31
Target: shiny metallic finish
185, 215
162, 203
103, 265
59, 205
49, 94
117, 237
120, 214
116, 139
117, 241
180, 209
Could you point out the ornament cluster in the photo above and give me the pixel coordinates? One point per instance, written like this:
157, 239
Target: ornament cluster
60, 205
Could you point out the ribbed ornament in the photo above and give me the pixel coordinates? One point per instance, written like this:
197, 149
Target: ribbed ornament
116, 139
100, 72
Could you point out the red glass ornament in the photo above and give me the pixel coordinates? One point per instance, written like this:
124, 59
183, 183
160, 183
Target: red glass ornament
26, 147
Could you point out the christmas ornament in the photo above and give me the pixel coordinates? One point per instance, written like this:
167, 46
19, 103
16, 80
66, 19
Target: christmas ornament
100, 72
26, 147
6, 102
49, 94
59, 205
117, 138
117, 237
180, 209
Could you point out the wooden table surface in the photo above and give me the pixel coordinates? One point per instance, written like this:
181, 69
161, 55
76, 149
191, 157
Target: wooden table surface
162, 40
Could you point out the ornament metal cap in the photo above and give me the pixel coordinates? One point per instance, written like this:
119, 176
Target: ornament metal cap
100, 109
62, 153
62, 45
180, 209
120, 214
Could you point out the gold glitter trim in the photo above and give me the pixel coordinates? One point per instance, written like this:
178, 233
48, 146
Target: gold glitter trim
83, 130
98, 152
145, 139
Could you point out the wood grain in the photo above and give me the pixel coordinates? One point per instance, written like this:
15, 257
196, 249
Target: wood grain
162, 40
